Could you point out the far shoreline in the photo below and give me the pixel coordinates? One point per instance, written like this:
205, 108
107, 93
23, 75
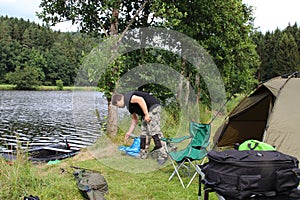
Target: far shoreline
52, 88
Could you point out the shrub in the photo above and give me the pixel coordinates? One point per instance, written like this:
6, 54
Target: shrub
25, 78
60, 84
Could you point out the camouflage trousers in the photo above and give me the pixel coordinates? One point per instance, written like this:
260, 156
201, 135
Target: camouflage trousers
152, 128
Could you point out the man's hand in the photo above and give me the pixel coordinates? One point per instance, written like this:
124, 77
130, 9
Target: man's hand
134, 122
147, 118
127, 135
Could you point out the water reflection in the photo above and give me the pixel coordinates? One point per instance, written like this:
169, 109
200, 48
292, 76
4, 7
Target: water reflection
32, 118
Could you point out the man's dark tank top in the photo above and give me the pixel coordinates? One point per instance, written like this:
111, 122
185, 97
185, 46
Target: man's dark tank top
135, 107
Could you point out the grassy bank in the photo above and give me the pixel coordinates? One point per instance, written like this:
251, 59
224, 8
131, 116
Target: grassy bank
6, 87
66, 88
50, 88
49, 182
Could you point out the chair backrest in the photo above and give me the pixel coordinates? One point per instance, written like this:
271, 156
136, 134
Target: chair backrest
200, 134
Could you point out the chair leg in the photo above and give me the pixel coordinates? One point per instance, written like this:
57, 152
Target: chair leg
176, 169
192, 179
206, 195
209, 190
199, 188
176, 172
198, 171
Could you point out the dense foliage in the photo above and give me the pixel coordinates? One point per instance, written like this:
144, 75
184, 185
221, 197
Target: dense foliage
221, 27
32, 54
279, 52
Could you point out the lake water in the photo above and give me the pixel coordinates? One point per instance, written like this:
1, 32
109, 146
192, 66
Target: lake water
33, 118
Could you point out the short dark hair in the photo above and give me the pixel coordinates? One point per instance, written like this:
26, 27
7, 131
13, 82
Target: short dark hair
115, 98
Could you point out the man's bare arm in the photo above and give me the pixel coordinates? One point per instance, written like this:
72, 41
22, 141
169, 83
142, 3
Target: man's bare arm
140, 100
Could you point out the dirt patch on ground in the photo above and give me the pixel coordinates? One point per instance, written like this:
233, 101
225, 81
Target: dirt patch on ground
83, 155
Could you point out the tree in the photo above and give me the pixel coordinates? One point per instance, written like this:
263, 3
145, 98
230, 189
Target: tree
29, 71
58, 55
267, 54
258, 39
286, 54
99, 18
6, 50
279, 52
25, 79
222, 27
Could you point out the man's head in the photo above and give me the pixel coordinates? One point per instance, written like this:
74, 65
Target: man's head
118, 100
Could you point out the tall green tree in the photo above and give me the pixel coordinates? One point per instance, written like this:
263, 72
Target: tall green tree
222, 27
100, 18
258, 39
5, 50
268, 54
24, 43
287, 55
279, 52
26, 78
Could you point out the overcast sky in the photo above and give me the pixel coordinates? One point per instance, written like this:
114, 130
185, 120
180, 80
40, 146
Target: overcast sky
269, 14
27, 9
272, 14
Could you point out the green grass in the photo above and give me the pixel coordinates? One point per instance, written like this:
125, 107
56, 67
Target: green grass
6, 87
127, 178
23, 178
67, 88
50, 88
234, 101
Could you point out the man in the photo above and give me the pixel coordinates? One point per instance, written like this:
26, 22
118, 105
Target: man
148, 107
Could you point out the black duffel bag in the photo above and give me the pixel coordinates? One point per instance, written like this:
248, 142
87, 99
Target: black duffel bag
249, 173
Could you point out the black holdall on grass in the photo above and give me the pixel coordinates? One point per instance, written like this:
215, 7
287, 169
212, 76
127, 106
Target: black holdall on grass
249, 173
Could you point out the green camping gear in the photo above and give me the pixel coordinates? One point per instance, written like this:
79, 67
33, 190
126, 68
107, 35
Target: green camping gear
196, 150
270, 114
92, 184
53, 162
256, 145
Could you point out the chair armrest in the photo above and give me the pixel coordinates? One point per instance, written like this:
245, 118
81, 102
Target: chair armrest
175, 140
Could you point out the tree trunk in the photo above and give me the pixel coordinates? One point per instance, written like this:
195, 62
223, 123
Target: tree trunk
112, 118
114, 20
187, 92
112, 124
181, 81
112, 121
197, 85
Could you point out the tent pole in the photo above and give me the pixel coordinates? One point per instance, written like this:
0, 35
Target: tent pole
220, 110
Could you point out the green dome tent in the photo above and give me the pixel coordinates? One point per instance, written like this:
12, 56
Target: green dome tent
270, 114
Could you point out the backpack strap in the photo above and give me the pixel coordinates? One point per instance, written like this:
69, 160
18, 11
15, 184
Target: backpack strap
295, 193
32, 198
252, 148
297, 172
